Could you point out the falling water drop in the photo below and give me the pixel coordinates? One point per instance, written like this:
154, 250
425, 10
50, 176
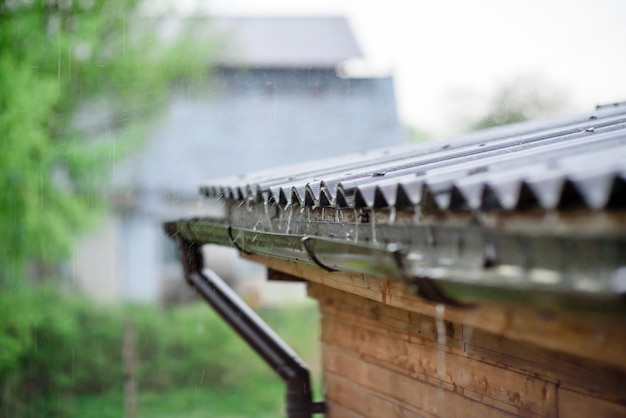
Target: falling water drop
289, 219
267, 216
282, 218
356, 226
416, 215
392, 215
373, 222
440, 326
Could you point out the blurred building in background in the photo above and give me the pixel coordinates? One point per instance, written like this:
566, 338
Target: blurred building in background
281, 91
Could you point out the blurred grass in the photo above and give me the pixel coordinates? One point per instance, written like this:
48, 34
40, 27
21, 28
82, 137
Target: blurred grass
67, 360
259, 397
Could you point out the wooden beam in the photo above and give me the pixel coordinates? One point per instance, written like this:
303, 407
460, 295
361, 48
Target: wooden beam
409, 394
515, 393
364, 315
577, 405
601, 338
279, 276
362, 401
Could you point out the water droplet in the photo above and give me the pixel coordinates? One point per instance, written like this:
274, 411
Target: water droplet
392, 215
267, 216
430, 238
373, 222
416, 215
356, 226
289, 215
440, 311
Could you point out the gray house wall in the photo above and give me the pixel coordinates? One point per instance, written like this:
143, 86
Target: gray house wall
243, 120
254, 119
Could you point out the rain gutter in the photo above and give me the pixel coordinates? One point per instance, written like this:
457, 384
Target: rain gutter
445, 264
243, 320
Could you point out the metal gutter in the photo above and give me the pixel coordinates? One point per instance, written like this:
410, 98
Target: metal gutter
455, 264
243, 320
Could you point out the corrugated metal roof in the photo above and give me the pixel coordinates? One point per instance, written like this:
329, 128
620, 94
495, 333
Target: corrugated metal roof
571, 162
510, 213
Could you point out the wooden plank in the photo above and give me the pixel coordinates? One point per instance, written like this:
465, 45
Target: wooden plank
566, 369
513, 392
279, 276
449, 343
524, 357
418, 395
363, 401
369, 312
335, 410
561, 331
577, 405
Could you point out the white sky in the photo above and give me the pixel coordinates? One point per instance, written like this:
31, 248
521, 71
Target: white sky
448, 56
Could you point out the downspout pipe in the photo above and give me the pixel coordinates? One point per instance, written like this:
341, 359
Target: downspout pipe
261, 338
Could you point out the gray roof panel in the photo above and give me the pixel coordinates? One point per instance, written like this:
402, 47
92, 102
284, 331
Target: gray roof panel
528, 213
570, 162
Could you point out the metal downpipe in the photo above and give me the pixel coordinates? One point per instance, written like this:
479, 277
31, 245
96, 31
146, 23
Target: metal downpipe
241, 318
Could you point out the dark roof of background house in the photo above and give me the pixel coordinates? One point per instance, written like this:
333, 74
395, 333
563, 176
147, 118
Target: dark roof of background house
569, 162
285, 42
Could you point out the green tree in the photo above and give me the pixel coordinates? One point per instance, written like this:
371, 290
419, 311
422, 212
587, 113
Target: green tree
522, 98
59, 59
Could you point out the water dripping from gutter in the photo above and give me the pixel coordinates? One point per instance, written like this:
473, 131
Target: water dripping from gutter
308, 218
289, 215
373, 222
267, 216
416, 215
440, 311
356, 226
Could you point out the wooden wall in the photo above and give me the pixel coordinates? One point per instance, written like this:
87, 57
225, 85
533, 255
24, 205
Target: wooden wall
381, 360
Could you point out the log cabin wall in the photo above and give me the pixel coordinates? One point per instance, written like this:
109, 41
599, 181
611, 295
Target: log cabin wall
384, 361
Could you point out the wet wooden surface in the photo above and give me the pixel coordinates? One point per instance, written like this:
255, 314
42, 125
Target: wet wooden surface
599, 338
381, 361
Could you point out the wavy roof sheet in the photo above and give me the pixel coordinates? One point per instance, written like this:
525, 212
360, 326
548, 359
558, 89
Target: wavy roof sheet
569, 162
484, 216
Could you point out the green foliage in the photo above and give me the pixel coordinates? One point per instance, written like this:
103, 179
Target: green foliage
59, 350
417, 135
520, 99
59, 60
259, 397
